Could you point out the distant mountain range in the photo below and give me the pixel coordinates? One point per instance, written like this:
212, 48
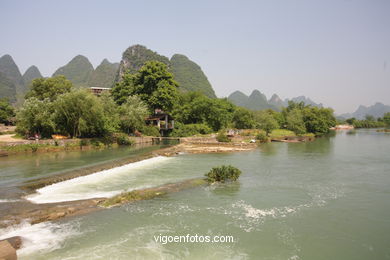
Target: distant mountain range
187, 73
258, 101
80, 71
376, 110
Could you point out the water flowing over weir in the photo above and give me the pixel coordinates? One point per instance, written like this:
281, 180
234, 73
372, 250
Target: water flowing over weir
105, 183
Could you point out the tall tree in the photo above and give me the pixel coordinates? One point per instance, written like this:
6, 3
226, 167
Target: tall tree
80, 114
6, 111
153, 83
36, 117
50, 88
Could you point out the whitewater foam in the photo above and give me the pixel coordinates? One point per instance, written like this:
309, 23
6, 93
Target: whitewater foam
40, 238
95, 185
9, 200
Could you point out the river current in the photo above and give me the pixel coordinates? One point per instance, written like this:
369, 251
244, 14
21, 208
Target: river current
327, 199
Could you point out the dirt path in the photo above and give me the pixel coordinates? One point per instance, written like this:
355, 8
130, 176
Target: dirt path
10, 138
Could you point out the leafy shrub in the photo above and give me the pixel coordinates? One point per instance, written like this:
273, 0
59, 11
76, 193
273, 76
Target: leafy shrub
222, 137
150, 131
281, 132
84, 142
123, 139
108, 139
182, 130
223, 173
262, 136
97, 143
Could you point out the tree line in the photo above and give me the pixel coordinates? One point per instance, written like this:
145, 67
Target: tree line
55, 106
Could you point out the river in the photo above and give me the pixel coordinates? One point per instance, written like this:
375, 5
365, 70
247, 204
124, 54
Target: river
327, 199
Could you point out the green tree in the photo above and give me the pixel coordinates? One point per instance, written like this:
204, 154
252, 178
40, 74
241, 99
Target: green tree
153, 83
80, 114
386, 118
50, 88
196, 108
266, 121
36, 117
123, 89
111, 113
6, 111
318, 120
243, 118
294, 121
132, 114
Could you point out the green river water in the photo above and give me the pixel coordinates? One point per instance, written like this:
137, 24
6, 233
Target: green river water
327, 199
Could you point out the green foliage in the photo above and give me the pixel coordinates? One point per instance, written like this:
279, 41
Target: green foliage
243, 118
195, 108
294, 121
386, 118
368, 123
318, 120
6, 111
266, 121
302, 118
36, 117
50, 88
123, 139
84, 142
190, 76
182, 130
262, 137
80, 114
222, 137
150, 131
123, 89
132, 114
153, 83
78, 71
281, 133
222, 174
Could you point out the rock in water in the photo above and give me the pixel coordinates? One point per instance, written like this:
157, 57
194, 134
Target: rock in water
7, 252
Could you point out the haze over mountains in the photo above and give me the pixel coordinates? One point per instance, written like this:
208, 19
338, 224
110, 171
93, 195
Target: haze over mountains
376, 110
189, 75
258, 101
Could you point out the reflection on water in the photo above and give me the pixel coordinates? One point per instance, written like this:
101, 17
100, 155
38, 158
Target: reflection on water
230, 189
321, 147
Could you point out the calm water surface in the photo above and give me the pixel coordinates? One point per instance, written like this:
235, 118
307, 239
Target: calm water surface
328, 199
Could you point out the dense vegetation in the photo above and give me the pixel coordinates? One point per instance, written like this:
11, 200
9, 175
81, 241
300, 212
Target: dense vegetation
190, 76
368, 122
223, 174
6, 111
55, 106
153, 83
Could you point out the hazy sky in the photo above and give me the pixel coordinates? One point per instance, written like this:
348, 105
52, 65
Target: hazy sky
335, 52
